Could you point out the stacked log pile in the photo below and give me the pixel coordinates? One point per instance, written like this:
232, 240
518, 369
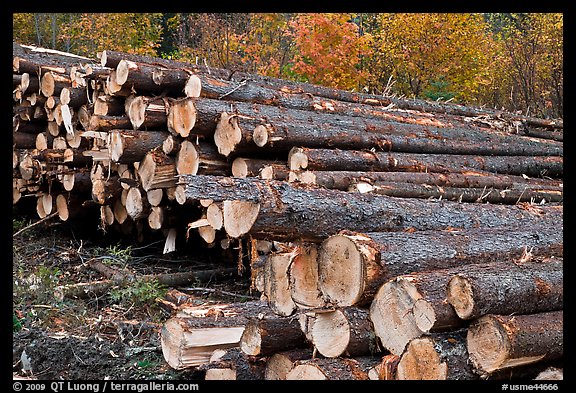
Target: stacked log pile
386, 238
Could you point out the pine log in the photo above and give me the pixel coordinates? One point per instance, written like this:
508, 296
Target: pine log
411, 305
106, 105
303, 275
344, 180
233, 364
523, 288
279, 364
437, 356
200, 158
550, 374
336, 160
76, 97
128, 146
52, 83
22, 140
189, 341
353, 266
339, 368
281, 210
265, 335
386, 369
497, 342
148, 112
545, 134
157, 170
250, 135
277, 282
107, 123
346, 331
510, 196
153, 79
181, 116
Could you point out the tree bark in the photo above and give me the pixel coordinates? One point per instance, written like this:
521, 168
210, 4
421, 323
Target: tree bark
128, 146
523, 288
355, 160
496, 342
157, 170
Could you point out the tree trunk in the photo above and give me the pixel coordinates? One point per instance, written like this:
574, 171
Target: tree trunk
437, 356
353, 160
496, 342
353, 266
344, 180
525, 287
268, 334
189, 341
267, 208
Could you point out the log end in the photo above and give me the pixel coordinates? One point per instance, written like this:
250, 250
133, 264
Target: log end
297, 160
420, 362
227, 134
306, 372
331, 333
260, 135
341, 271
239, 216
251, 340
460, 295
488, 345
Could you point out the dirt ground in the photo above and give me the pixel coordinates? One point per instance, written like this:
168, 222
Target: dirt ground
110, 336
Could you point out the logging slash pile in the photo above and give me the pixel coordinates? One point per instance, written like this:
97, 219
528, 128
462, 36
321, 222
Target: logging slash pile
387, 238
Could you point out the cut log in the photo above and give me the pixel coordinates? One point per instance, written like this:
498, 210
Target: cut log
386, 369
550, 374
344, 180
181, 117
265, 335
301, 158
137, 205
497, 342
437, 356
76, 97
277, 282
233, 364
189, 341
52, 83
128, 146
107, 123
252, 167
148, 112
523, 288
267, 208
106, 105
157, 170
303, 276
200, 158
340, 368
411, 305
509, 196
279, 364
346, 331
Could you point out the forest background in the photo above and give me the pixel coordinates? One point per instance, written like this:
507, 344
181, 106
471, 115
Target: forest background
509, 61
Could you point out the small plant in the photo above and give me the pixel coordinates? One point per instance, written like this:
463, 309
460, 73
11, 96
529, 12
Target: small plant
139, 293
16, 323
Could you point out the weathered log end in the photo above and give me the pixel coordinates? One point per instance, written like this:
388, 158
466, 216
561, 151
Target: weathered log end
297, 160
331, 333
399, 314
420, 361
193, 86
460, 295
239, 216
227, 134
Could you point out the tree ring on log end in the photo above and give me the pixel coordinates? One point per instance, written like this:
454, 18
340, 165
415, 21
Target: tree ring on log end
306, 372
260, 135
488, 345
227, 134
341, 271
421, 361
460, 295
331, 333
251, 341
239, 216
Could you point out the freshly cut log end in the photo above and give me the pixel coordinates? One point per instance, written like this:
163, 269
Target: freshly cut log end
239, 216
251, 340
420, 361
497, 342
193, 86
297, 160
260, 135
220, 374
341, 271
306, 372
279, 364
228, 134
331, 333
239, 167
182, 117
304, 277
187, 159
399, 314
460, 295
214, 216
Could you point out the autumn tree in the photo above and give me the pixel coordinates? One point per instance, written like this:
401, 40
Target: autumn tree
329, 50
432, 55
